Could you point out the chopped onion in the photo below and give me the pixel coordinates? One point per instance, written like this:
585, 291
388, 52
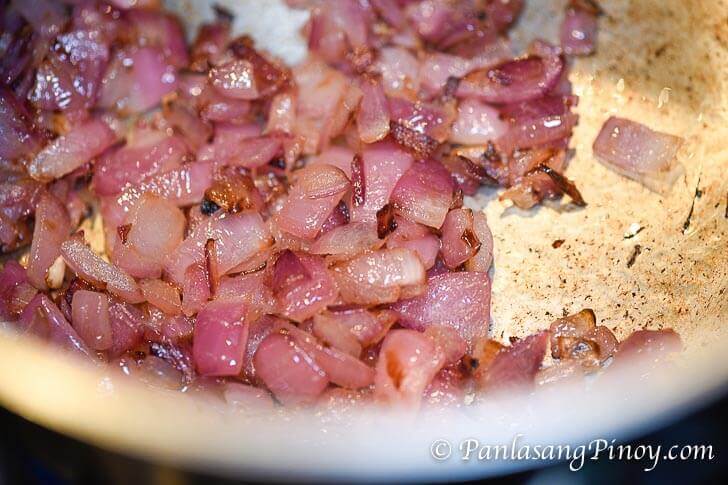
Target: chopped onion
302, 285
477, 123
379, 277
91, 318
459, 300
372, 119
348, 240
459, 240
52, 227
70, 151
220, 339
235, 79
288, 371
517, 365
424, 193
635, 151
89, 266
513, 81
408, 361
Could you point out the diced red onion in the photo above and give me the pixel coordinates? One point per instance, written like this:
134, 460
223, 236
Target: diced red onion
288, 371
160, 29
372, 119
300, 298
137, 79
146, 153
399, 69
46, 16
424, 193
52, 227
16, 127
220, 339
578, 32
531, 133
438, 67
238, 237
333, 333
382, 165
89, 266
252, 290
13, 284
91, 318
196, 288
379, 277
321, 93
69, 78
368, 326
416, 237
650, 346
337, 156
235, 79
391, 11
227, 141
317, 191
459, 240
635, 151
422, 118
157, 227
161, 294
459, 300
448, 342
43, 318
482, 259
517, 365
194, 131
182, 186
348, 240
126, 327
68, 152
407, 363
477, 124
513, 81
282, 114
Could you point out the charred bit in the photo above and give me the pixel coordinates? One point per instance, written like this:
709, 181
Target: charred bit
564, 184
386, 224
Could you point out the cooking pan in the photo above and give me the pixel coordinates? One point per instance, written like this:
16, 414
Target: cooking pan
660, 62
